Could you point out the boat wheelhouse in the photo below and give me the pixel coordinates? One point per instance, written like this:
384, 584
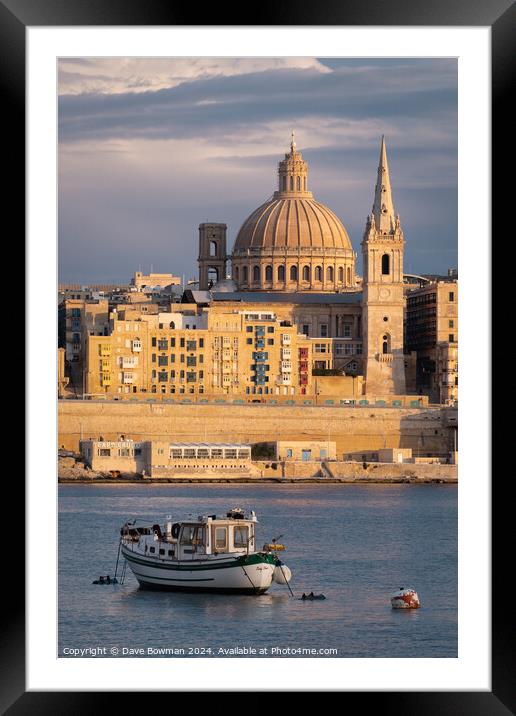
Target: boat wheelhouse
210, 554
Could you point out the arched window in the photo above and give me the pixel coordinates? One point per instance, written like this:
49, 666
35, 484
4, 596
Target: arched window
213, 248
349, 275
293, 273
236, 273
268, 273
386, 265
172, 324
341, 275
246, 274
318, 273
291, 183
385, 345
329, 273
281, 273
298, 182
306, 273
256, 273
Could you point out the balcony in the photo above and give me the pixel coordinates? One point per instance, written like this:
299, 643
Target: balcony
384, 357
128, 362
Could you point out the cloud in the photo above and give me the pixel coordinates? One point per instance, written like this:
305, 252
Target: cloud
119, 75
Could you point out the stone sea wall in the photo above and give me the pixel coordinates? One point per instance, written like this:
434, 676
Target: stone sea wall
425, 430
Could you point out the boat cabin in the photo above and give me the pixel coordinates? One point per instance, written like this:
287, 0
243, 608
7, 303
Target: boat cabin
192, 539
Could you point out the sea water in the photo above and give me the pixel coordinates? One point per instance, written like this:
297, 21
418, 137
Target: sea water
356, 544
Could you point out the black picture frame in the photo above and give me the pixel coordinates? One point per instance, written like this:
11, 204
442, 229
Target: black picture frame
500, 16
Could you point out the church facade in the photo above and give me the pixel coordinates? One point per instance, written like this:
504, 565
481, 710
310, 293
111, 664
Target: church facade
294, 251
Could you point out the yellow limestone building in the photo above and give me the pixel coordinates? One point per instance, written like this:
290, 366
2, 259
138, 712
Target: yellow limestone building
236, 352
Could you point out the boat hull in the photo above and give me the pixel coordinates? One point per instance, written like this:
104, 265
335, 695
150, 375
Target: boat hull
236, 574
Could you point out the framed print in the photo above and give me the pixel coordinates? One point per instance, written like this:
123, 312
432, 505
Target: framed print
258, 395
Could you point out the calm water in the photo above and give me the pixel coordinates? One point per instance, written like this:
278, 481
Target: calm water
355, 543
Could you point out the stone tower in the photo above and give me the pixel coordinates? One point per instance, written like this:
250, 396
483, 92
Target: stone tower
382, 298
212, 254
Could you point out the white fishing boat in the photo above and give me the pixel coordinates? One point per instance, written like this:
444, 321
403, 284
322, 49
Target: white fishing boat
207, 554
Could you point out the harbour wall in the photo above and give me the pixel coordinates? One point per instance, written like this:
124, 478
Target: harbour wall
427, 430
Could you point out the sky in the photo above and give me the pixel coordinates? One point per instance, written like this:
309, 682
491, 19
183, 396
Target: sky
149, 148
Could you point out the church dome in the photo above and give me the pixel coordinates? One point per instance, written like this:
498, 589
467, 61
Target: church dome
293, 222
292, 242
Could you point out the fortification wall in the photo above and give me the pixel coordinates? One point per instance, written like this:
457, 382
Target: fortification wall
425, 430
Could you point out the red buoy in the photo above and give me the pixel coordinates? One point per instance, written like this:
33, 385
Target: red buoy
405, 599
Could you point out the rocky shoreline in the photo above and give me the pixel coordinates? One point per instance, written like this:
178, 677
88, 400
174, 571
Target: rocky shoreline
71, 470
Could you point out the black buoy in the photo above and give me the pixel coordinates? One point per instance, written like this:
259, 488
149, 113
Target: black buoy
311, 597
105, 580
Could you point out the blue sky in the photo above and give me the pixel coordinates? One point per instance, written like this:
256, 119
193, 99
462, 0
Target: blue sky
151, 147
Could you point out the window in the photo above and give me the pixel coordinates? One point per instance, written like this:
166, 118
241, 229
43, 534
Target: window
191, 360
341, 275
163, 376
162, 360
324, 330
163, 344
104, 452
249, 341
450, 324
318, 273
191, 345
329, 273
240, 536
182, 342
306, 273
268, 273
289, 452
256, 273
281, 273
305, 329
220, 538
386, 264
201, 342
451, 296
293, 273
451, 338
245, 274
192, 534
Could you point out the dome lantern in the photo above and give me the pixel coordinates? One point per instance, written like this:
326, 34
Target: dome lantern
293, 174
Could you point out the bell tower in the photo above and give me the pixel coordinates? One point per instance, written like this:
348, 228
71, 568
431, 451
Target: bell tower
212, 254
382, 297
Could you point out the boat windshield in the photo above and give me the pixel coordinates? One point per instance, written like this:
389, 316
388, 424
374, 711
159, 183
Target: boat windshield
192, 534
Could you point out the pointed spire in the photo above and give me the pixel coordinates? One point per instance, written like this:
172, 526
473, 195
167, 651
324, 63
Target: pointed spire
383, 207
292, 143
